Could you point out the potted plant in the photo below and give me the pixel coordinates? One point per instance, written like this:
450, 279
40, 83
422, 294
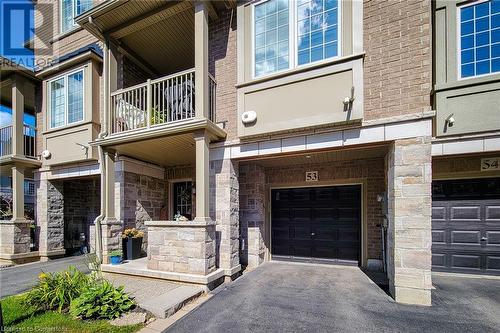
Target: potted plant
115, 257
132, 243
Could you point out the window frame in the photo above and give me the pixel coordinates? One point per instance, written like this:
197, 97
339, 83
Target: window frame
73, 12
459, 42
292, 40
66, 87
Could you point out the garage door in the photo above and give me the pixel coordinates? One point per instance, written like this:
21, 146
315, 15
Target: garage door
316, 223
466, 225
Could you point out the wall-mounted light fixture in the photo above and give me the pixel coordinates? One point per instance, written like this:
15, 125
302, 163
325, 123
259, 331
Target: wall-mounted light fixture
450, 120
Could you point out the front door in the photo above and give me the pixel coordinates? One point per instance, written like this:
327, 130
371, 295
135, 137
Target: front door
317, 223
183, 199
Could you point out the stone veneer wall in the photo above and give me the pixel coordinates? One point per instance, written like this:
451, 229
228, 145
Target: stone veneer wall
224, 209
252, 214
50, 215
142, 199
181, 247
409, 240
254, 182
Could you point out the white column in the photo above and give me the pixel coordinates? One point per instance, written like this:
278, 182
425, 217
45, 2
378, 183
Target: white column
201, 60
202, 176
17, 117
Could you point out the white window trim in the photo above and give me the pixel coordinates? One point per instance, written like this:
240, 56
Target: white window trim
66, 87
459, 44
73, 12
292, 40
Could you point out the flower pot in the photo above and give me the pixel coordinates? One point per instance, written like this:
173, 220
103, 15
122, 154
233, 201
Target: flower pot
132, 248
115, 260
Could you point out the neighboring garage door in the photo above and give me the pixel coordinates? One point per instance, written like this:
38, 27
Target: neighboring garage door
466, 225
321, 223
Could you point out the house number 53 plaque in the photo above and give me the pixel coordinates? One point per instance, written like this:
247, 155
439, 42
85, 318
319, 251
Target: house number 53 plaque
311, 176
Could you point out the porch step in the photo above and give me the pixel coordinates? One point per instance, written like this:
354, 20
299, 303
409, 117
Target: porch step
169, 303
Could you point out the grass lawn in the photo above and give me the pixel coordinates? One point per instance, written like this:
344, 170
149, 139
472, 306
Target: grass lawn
18, 318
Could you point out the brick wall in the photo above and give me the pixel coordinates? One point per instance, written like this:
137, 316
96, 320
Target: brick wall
253, 206
222, 64
129, 74
397, 42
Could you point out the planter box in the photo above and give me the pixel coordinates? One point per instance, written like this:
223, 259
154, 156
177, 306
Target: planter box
115, 260
131, 248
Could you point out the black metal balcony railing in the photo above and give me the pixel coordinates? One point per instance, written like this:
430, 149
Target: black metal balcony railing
29, 142
155, 102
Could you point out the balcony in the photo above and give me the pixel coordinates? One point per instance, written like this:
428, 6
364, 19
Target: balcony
29, 141
167, 100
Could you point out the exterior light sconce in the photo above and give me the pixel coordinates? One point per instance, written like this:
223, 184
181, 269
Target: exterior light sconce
348, 101
450, 120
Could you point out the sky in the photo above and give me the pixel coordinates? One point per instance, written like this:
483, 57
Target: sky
18, 30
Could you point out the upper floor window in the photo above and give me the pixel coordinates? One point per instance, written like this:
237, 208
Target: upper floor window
66, 99
479, 39
288, 34
71, 9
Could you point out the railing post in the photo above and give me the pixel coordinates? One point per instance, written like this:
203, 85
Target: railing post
149, 103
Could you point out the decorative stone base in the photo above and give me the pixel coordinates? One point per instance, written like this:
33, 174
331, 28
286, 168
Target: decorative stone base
412, 296
111, 237
14, 238
182, 246
53, 254
19, 258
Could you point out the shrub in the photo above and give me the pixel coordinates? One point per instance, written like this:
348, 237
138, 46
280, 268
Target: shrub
55, 291
132, 233
101, 301
115, 253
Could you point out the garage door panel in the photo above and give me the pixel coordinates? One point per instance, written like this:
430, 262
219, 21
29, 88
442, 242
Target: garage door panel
466, 261
493, 237
465, 213
300, 215
325, 232
465, 237
300, 233
439, 259
492, 213
466, 225
493, 264
438, 236
439, 213
324, 214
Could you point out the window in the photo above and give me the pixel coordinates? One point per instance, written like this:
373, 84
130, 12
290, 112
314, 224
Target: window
479, 39
66, 99
71, 9
294, 33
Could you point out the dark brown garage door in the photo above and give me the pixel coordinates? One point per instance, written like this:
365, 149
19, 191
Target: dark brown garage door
316, 223
466, 225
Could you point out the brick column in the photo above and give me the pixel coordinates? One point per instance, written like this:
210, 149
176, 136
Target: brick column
409, 220
224, 204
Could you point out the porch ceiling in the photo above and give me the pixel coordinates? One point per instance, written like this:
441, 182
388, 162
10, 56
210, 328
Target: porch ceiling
165, 151
321, 157
158, 33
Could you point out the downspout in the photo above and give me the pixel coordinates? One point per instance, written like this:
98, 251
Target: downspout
102, 164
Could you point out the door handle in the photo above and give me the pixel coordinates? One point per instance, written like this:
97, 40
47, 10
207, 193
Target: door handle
484, 239
312, 234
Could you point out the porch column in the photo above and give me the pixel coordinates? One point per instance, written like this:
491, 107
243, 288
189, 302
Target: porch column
15, 234
111, 227
110, 72
202, 176
409, 220
18, 194
17, 117
201, 60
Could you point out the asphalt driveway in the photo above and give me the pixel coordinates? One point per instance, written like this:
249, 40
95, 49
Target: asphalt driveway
17, 279
282, 297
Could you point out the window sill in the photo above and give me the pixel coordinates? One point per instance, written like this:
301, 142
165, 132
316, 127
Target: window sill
468, 82
301, 69
65, 34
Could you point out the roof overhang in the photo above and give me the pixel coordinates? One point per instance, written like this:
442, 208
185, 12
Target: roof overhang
71, 62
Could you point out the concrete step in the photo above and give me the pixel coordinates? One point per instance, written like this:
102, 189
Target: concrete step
167, 304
